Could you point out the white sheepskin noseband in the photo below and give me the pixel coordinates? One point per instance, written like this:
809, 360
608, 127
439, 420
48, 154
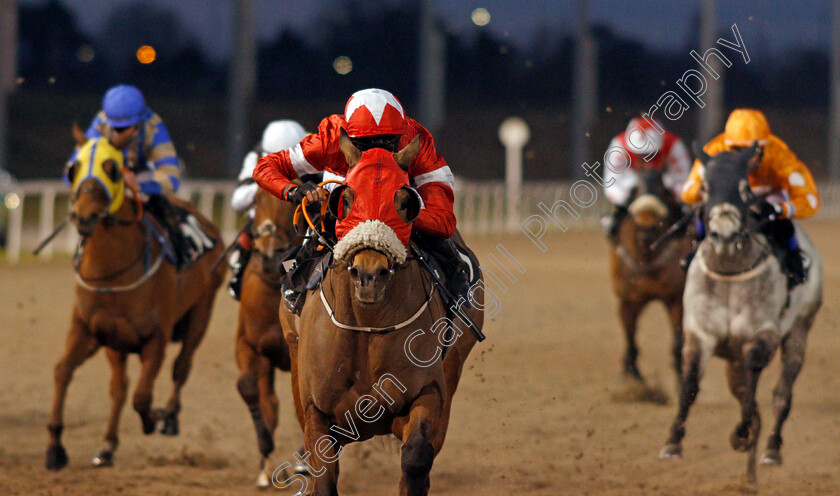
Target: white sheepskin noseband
374, 235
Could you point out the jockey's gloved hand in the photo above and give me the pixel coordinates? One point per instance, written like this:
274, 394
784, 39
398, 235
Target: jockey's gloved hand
764, 209
298, 193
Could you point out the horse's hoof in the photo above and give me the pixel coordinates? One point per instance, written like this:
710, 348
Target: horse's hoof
104, 458
740, 441
56, 457
771, 457
167, 422
301, 469
263, 480
670, 451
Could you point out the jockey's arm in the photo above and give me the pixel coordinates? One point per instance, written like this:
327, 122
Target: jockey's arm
433, 179
243, 196
619, 178
792, 176
161, 155
276, 171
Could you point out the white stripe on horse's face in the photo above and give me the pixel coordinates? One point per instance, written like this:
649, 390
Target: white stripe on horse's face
724, 224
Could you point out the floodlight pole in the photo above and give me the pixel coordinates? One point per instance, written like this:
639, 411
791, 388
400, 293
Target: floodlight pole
584, 90
8, 56
240, 84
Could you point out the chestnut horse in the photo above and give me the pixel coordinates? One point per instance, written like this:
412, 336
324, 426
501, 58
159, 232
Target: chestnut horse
368, 348
260, 346
128, 299
642, 273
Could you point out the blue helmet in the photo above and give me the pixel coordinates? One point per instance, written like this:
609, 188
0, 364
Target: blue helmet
125, 106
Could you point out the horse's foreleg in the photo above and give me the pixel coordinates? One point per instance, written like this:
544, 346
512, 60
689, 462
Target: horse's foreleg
675, 314
418, 452
80, 346
151, 358
198, 318
119, 390
323, 464
248, 388
757, 354
629, 314
793, 357
696, 354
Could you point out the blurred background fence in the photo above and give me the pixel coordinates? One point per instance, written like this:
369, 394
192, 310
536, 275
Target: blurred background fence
481, 207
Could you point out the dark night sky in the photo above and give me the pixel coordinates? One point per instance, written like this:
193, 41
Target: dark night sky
663, 24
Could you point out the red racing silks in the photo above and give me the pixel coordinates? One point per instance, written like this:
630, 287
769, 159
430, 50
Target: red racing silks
375, 179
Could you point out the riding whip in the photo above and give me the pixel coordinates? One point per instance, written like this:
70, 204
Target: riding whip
50, 238
230, 246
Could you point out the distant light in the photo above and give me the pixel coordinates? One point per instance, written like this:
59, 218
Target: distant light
343, 65
85, 53
146, 54
12, 201
51, 80
480, 17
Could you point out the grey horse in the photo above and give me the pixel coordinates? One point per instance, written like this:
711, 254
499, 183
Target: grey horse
738, 307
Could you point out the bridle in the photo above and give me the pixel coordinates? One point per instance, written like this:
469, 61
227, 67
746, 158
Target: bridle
269, 229
106, 216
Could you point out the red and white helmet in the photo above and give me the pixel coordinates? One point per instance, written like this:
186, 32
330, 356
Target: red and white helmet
642, 137
372, 112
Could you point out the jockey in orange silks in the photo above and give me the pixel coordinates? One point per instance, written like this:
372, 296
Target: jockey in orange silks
781, 178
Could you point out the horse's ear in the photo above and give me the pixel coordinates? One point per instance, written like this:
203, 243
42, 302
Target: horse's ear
407, 154
699, 153
351, 153
407, 202
752, 156
78, 134
112, 170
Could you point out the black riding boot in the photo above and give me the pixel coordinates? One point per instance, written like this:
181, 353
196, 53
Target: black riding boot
295, 280
782, 235
616, 218
171, 216
455, 268
238, 261
794, 267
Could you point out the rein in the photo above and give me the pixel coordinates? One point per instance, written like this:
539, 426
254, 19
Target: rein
379, 330
106, 215
148, 273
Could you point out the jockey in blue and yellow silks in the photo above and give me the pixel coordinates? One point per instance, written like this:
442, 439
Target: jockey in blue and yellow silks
151, 163
142, 136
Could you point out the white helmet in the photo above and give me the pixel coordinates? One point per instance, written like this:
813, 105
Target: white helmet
281, 135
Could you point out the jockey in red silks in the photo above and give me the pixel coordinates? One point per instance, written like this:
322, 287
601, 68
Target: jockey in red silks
647, 145
373, 118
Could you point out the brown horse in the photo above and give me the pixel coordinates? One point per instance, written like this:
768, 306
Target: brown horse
641, 272
368, 351
128, 300
260, 346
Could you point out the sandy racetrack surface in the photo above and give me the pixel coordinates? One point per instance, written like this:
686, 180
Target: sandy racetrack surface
535, 414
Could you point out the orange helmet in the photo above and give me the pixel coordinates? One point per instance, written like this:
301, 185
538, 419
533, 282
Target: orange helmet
746, 126
373, 112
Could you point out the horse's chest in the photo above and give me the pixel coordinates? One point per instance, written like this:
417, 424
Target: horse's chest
723, 309
121, 328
